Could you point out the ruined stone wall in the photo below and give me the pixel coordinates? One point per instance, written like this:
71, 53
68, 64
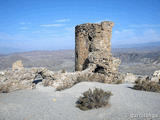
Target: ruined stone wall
91, 38
94, 62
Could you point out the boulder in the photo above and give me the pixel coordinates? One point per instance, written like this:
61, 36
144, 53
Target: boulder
19, 79
130, 77
157, 74
155, 79
17, 65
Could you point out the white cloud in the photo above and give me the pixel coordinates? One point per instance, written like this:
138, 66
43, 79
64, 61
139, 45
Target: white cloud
46, 41
4, 36
24, 23
8, 38
132, 36
70, 29
23, 28
63, 20
52, 25
37, 31
126, 31
144, 26
99, 21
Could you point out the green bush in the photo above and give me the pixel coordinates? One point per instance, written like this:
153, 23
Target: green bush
93, 99
146, 85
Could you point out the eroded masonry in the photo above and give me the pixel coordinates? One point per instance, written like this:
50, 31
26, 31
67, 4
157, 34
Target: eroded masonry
93, 62
93, 47
90, 38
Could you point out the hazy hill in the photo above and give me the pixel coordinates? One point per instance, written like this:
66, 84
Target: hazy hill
154, 46
53, 60
148, 45
138, 61
138, 56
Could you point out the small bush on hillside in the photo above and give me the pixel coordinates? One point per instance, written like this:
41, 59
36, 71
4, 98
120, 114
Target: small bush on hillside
147, 86
119, 82
63, 71
4, 88
59, 88
45, 82
93, 99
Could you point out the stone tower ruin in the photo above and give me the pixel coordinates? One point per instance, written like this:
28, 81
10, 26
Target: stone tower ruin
91, 38
93, 62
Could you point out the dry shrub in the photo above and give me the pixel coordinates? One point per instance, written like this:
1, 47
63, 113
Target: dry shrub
63, 71
119, 82
59, 88
93, 99
4, 88
45, 82
147, 86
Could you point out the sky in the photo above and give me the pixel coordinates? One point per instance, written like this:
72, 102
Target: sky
27, 25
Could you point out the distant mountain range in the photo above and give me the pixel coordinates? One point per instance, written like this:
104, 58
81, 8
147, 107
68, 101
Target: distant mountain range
142, 46
139, 46
136, 58
7, 50
138, 61
53, 60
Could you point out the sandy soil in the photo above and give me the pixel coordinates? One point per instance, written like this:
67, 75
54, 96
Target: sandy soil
43, 103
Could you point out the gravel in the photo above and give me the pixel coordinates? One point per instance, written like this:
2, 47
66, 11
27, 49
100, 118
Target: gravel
44, 103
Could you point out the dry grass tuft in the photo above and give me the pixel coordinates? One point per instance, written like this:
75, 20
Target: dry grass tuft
119, 82
4, 88
63, 71
146, 85
59, 88
45, 83
93, 99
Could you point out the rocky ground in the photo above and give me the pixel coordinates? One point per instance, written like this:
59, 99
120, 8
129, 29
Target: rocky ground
44, 103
